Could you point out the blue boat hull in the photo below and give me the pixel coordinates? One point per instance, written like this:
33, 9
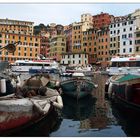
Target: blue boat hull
43, 71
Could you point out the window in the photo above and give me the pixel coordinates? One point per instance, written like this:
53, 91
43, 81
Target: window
130, 49
124, 36
130, 28
123, 50
124, 30
89, 49
130, 35
137, 49
130, 42
118, 38
73, 56
118, 31
124, 43
73, 62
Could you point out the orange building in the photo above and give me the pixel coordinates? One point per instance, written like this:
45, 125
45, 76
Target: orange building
103, 42
76, 37
89, 45
27, 49
12, 31
16, 26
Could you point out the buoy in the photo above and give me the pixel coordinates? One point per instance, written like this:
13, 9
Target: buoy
3, 86
110, 89
19, 81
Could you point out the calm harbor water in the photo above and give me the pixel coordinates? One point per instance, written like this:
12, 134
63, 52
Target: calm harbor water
93, 116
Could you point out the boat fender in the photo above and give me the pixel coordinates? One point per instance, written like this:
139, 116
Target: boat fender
57, 84
58, 103
18, 81
95, 85
13, 82
3, 86
83, 83
110, 89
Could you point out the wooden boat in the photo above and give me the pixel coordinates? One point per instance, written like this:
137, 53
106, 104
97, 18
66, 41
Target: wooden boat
78, 86
125, 90
28, 105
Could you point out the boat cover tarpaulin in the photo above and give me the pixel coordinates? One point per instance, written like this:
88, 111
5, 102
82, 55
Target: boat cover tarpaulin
128, 79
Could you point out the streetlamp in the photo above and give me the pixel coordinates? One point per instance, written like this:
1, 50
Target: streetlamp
11, 48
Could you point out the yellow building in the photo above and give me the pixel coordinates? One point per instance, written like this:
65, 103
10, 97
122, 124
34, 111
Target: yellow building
57, 47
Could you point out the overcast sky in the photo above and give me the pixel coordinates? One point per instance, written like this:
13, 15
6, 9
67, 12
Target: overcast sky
61, 13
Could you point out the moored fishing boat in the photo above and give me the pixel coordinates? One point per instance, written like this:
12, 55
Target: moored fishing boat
78, 86
125, 91
29, 104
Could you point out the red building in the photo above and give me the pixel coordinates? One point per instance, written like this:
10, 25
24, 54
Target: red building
68, 33
102, 20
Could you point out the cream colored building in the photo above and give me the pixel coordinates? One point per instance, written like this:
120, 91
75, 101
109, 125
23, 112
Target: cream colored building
137, 42
74, 59
86, 20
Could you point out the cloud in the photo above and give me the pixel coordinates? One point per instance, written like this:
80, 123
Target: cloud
61, 13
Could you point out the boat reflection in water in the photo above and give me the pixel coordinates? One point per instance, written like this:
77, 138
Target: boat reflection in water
78, 110
130, 124
91, 114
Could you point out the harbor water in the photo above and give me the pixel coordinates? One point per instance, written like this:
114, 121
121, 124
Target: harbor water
92, 116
